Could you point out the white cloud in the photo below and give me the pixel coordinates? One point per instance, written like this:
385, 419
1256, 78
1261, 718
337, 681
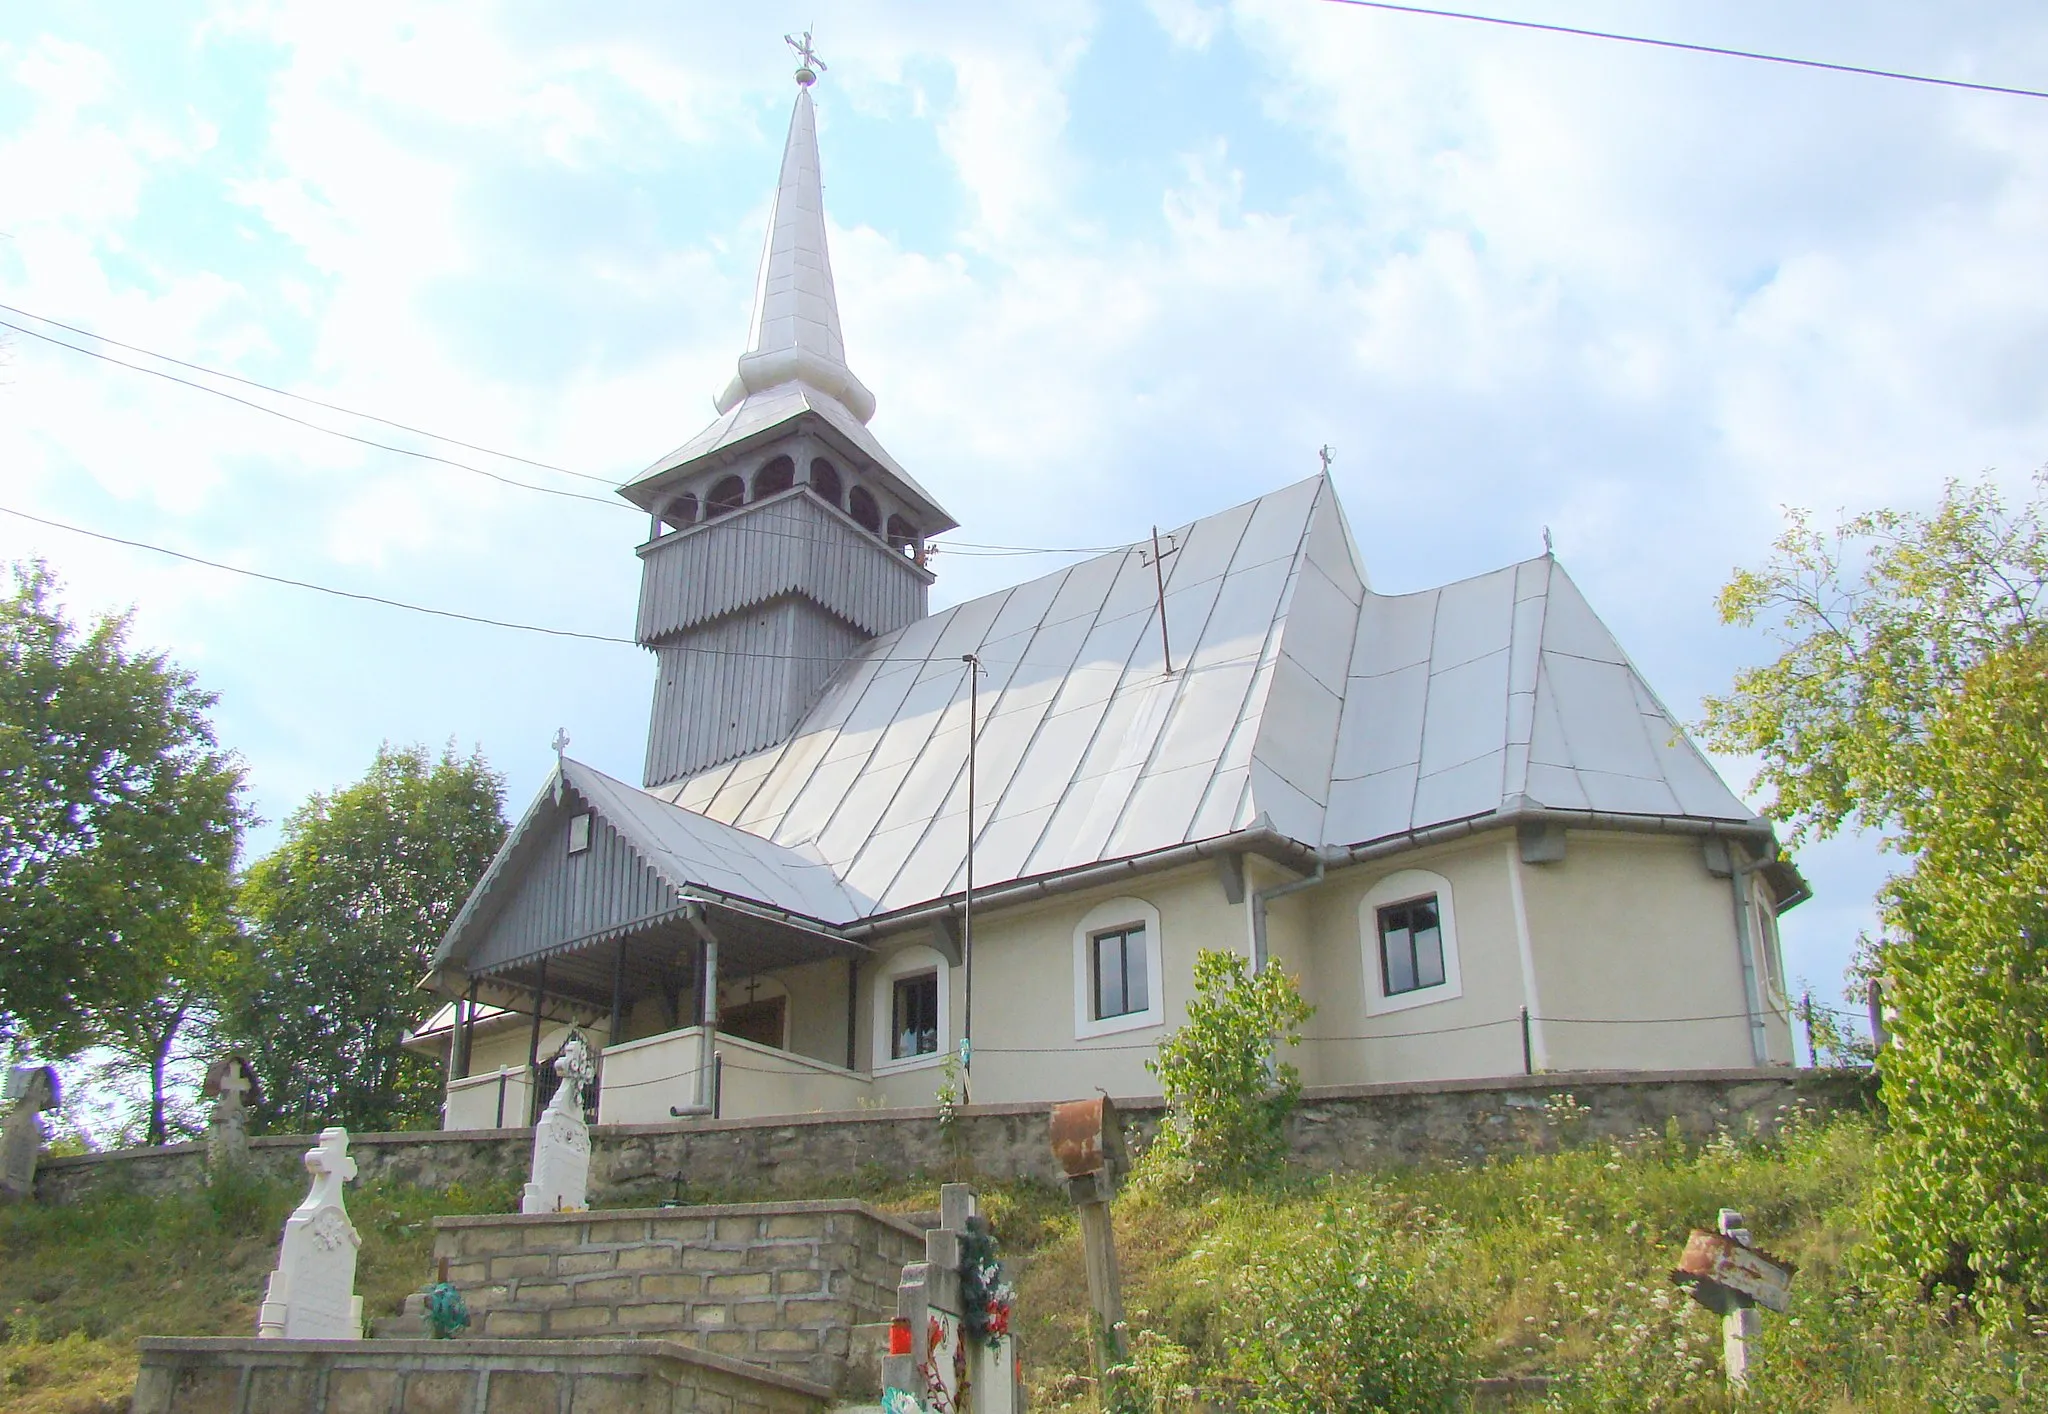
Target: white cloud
1516, 280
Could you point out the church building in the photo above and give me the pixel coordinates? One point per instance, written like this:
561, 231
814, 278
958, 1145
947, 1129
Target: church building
874, 845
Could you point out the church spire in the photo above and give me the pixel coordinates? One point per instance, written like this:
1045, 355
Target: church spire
795, 333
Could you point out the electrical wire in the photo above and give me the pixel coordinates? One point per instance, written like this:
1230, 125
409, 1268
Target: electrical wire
303, 398
609, 501
964, 548
391, 603
316, 588
1719, 51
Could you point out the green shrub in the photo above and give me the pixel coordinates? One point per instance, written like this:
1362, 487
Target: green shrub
1343, 1319
1227, 1096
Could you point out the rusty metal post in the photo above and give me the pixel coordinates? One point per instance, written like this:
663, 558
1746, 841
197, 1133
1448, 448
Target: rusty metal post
1087, 1139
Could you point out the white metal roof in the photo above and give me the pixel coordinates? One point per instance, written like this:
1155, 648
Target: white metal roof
690, 850
796, 355
1339, 715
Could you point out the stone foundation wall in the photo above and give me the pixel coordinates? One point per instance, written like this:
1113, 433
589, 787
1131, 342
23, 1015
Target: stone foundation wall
207, 1376
1337, 1128
776, 1284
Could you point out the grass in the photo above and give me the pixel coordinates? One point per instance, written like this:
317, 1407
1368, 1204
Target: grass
78, 1284
1558, 1264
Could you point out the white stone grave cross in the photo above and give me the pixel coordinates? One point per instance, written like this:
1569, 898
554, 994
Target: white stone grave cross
561, 1141
311, 1295
227, 1125
1730, 1277
1741, 1323
29, 1091
933, 1365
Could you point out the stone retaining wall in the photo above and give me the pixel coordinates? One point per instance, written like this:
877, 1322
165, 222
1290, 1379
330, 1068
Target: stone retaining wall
776, 1284
1337, 1128
214, 1376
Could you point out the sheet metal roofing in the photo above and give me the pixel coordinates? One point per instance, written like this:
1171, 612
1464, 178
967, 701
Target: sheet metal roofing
1298, 697
689, 853
795, 361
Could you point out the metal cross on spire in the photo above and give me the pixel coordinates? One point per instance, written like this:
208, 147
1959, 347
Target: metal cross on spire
809, 65
1327, 455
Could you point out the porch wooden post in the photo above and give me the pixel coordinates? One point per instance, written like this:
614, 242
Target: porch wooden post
465, 1031
852, 1011
540, 996
611, 1035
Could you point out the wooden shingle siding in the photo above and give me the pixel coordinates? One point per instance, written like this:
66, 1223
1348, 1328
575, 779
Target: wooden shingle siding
558, 896
741, 683
790, 545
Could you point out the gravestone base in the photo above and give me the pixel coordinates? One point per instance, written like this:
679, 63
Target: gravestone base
237, 1376
780, 1285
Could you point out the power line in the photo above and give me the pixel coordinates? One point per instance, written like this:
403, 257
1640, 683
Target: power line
955, 547
390, 603
307, 584
330, 431
1720, 51
301, 397
406, 605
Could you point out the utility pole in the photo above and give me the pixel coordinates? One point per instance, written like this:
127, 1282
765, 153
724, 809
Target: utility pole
967, 895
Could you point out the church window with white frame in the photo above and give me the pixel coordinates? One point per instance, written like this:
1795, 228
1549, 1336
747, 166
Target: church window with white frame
1117, 979
912, 1010
1409, 940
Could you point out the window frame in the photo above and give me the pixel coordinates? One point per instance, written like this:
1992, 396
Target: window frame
900, 966
588, 820
1407, 886
1117, 915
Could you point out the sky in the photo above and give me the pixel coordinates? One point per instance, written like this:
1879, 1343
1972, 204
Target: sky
1105, 265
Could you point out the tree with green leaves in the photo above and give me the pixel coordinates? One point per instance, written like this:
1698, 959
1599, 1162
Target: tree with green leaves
1962, 1192
342, 919
1909, 699
120, 817
1228, 1095
1879, 622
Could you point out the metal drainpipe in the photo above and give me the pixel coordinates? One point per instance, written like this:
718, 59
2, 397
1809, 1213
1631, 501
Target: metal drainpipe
1262, 897
1752, 992
707, 1018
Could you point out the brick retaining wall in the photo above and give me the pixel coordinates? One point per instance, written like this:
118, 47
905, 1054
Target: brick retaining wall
1337, 1127
216, 1376
776, 1284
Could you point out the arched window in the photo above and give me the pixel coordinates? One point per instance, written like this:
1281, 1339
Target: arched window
728, 495
825, 481
902, 534
1118, 973
1408, 932
912, 1010
864, 508
778, 475
681, 513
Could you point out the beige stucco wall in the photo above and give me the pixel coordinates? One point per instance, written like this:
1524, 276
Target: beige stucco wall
1632, 930
1024, 1011
1474, 1033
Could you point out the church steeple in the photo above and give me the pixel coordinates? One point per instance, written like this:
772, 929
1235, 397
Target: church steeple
783, 536
795, 333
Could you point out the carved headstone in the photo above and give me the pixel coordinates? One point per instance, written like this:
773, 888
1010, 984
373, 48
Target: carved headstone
311, 1295
561, 1141
30, 1089
231, 1085
951, 1347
